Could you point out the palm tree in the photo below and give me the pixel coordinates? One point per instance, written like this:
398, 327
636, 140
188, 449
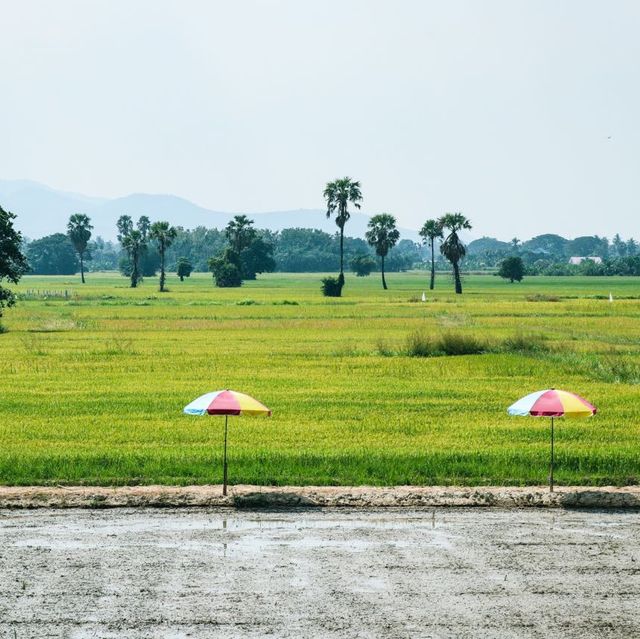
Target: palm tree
452, 248
383, 236
431, 230
338, 194
79, 231
240, 233
134, 244
163, 234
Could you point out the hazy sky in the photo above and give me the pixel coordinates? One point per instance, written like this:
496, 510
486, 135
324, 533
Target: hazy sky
500, 109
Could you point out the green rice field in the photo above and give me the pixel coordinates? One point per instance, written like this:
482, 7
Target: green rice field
94, 377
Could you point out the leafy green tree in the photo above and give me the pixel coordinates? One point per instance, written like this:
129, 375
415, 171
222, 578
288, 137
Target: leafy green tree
430, 232
452, 247
134, 242
79, 230
52, 255
13, 264
338, 194
226, 269
104, 254
362, 265
257, 258
163, 234
184, 268
403, 256
550, 244
382, 235
198, 244
512, 269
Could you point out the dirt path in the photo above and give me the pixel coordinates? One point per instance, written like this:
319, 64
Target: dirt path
324, 573
319, 496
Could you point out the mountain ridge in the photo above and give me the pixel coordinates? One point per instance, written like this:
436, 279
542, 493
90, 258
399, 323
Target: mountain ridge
43, 210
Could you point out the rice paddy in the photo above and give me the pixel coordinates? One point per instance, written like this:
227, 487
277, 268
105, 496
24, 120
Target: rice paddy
376, 387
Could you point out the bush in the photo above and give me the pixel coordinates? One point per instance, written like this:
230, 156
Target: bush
226, 269
383, 348
332, 287
460, 344
227, 275
419, 344
525, 343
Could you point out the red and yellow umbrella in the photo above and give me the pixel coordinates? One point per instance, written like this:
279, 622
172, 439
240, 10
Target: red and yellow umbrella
552, 403
226, 402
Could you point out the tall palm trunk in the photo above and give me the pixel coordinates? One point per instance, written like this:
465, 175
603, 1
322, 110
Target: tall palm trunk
134, 270
384, 282
341, 276
456, 277
82, 267
433, 267
162, 275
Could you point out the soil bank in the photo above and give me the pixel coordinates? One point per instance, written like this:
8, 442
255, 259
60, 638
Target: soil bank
317, 496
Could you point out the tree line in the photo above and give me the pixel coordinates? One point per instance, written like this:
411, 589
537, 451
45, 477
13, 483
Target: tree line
240, 251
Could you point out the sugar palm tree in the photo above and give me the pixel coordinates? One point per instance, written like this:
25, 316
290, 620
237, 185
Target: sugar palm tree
79, 231
383, 235
240, 233
135, 245
338, 194
452, 248
163, 234
431, 231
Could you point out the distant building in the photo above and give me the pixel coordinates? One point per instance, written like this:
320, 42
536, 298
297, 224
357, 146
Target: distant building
579, 260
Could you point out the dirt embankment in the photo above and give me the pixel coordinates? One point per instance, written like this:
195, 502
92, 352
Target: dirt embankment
317, 496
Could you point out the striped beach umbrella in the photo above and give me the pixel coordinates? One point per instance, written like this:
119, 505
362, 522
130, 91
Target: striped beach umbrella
226, 402
552, 403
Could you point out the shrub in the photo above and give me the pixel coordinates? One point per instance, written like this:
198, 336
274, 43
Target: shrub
226, 269
332, 287
460, 344
616, 370
419, 344
383, 348
522, 342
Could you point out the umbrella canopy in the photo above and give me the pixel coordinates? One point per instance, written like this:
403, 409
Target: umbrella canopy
552, 403
226, 402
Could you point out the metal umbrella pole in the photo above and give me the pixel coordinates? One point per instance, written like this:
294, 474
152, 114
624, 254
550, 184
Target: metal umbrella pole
224, 463
551, 465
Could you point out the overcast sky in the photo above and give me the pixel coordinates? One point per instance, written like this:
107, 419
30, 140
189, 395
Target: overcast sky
524, 115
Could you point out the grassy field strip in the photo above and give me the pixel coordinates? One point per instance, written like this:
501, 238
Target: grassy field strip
93, 386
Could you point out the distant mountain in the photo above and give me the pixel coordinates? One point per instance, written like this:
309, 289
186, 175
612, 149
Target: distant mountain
42, 210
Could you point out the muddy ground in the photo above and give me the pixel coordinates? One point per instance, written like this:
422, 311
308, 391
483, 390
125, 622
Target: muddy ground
393, 573
319, 496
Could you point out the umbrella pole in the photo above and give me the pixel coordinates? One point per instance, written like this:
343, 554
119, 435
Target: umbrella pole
551, 466
224, 463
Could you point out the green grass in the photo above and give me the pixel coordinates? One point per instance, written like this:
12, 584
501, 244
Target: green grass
93, 381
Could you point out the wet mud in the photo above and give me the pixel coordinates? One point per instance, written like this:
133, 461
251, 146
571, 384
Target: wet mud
246, 496
218, 572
